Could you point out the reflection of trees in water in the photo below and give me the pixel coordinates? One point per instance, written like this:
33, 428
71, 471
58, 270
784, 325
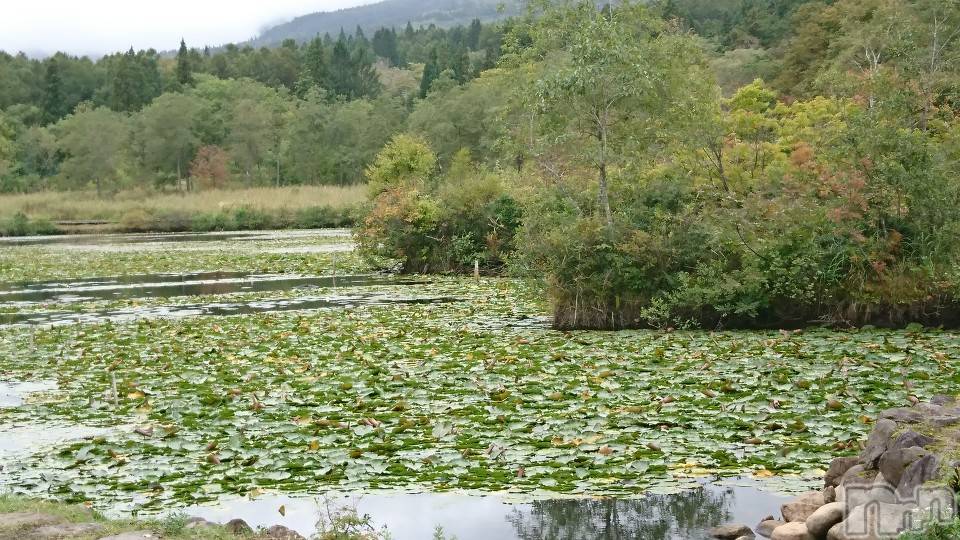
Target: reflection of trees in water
656, 517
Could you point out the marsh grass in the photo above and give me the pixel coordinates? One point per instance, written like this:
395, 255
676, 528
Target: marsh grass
143, 210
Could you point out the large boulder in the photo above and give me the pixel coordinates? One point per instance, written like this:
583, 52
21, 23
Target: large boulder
858, 476
792, 531
821, 521
800, 508
879, 441
910, 438
856, 494
878, 521
238, 527
916, 474
730, 531
896, 460
279, 532
766, 527
838, 468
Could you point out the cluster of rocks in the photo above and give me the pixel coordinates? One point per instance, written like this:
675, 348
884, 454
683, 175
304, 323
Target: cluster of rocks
39, 526
881, 492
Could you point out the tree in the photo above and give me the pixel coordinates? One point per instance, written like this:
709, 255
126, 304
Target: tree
53, 94
99, 159
210, 169
621, 74
166, 135
251, 135
184, 65
431, 71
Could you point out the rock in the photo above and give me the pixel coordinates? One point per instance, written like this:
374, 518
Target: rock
877, 522
838, 468
828, 515
238, 527
751, 537
920, 471
878, 442
68, 530
858, 476
279, 532
730, 531
801, 508
903, 415
198, 523
829, 494
896, 460
856, 494
791, 531
23, 520
135, 535
841, 493
944, 420
766, 527
911, 438
943, 400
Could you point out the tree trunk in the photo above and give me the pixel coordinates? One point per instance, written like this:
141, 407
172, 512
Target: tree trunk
603, 196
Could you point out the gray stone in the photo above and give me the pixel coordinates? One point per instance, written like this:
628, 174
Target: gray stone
198, 523
903, 415
920, 471
238, 527
22, 520
879, 521
896, 460
878, 442
828, 515
858, 476
751, 537
911, 438
279, 532
68, 530
730, 531
944, 420
134, 535
878, 491
766, 527
792, 531
829, 494
800, 508
838, 468
943, 400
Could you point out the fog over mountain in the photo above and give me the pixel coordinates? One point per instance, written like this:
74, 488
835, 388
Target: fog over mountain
96, 27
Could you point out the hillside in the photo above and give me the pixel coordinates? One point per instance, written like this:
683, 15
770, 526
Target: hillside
390, 13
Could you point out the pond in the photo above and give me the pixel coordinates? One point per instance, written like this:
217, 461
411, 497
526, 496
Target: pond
415, 516
232, 376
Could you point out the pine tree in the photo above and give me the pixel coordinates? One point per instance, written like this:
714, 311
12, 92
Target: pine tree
473, 34
313, 71
184, 67
430, 73
53, 98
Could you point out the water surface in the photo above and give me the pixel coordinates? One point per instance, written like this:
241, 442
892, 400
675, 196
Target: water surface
682, 516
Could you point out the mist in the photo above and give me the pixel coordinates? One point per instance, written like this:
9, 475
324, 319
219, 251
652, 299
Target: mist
98, 27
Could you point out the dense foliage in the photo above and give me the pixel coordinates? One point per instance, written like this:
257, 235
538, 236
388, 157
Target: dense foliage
313, 112
828, 195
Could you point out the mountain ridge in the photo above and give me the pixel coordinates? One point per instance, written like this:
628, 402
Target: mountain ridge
388, 13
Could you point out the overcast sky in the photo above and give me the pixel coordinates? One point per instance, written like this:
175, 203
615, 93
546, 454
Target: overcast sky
103, 26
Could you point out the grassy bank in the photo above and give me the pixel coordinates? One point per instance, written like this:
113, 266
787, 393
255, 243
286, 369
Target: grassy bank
149, 211
171, 528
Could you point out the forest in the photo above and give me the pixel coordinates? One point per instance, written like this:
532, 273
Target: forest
679, 163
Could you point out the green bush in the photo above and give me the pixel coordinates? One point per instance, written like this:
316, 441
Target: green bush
21, 225
429, 222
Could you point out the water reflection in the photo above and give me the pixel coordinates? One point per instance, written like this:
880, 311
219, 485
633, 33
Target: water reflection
655, 517
218, 309
169, 286
683, 516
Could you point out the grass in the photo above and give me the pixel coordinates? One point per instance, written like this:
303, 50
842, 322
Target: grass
171, 528
142, 210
